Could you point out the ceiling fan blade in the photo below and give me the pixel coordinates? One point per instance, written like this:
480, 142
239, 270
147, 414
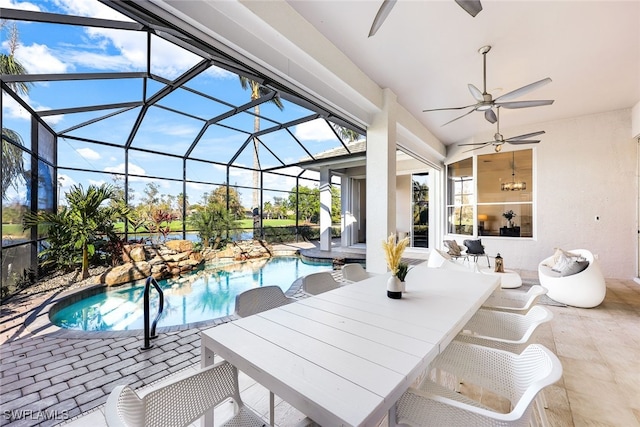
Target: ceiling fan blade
525, 136
524, 141
476, 143
477, 148
525, 104
524, 89
472, 7
490, 116
451, 108
475, 92
457, 118
382, 14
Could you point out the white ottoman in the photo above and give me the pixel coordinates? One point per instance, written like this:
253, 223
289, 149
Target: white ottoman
508, 280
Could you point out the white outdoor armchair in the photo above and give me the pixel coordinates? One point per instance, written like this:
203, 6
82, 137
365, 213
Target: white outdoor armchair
257, 300
510, 332
182, 401
317, 283
517, 377
514, 301
504, 330
354, 272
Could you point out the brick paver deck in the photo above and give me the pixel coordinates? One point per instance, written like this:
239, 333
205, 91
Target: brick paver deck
48, 375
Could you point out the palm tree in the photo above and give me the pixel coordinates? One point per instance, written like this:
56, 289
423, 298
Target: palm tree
257, 91
347, 134
12, 166
85, 218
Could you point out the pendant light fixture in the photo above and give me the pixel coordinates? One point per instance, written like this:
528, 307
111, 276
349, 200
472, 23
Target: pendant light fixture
513, 185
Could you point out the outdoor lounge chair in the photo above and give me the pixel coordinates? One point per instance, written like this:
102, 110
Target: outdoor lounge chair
585, 289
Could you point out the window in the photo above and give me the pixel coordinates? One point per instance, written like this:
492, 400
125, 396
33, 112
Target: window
504, 185
460, 197
420, 187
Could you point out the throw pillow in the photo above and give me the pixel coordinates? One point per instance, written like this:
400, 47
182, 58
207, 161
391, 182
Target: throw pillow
565, 259
453, 247
559, 253
561, 263
474, 246
574, 267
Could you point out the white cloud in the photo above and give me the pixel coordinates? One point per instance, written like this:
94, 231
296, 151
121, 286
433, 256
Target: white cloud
12, 109
66, 182
90, 8
21, 5
315, 130
53, 120
133, 169
89, 154
40, 59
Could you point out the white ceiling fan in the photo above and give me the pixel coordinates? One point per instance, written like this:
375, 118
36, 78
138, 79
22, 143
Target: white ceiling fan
485, 101
473, 7
499, 140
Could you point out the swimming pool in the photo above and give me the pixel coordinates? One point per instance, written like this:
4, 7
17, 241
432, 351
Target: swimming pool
203, 295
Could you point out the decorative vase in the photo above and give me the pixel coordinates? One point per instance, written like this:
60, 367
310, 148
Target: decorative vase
394, 288
509, 224
403, 286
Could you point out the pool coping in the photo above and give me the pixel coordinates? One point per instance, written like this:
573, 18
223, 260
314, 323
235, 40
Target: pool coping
38, 323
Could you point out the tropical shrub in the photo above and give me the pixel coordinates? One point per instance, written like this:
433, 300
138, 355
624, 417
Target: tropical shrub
212, 223
76, 229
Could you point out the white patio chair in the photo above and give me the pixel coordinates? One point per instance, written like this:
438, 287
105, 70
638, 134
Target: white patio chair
504, 330
256, 300
517, 377
514, 301
317, 283
510, 332
182, 401
354, 272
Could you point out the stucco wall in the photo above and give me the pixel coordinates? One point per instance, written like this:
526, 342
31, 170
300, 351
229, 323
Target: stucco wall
585, 168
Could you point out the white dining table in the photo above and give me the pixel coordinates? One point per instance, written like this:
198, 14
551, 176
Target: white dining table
344, 357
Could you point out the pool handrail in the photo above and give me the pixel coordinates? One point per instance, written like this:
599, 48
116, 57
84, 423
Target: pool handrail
150, 330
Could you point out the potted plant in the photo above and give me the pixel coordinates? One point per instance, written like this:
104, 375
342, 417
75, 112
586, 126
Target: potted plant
509, 216
403, 269
393, 250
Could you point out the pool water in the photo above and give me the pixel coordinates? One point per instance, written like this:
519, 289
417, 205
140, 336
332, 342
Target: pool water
203, 295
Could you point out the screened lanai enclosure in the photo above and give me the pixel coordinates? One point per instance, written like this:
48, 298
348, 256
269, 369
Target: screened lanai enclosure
173, 124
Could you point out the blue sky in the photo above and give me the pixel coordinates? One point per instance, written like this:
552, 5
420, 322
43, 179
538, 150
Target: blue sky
46, 48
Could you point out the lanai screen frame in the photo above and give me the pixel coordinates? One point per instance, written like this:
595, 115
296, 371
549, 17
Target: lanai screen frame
154, 27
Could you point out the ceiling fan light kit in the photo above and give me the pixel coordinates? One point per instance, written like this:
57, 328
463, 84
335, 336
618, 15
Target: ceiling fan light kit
499, 140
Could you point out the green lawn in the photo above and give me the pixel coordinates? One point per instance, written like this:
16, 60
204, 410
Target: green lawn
244, 223
14, 231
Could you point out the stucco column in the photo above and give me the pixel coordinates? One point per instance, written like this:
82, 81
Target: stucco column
381, 181
325, 209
